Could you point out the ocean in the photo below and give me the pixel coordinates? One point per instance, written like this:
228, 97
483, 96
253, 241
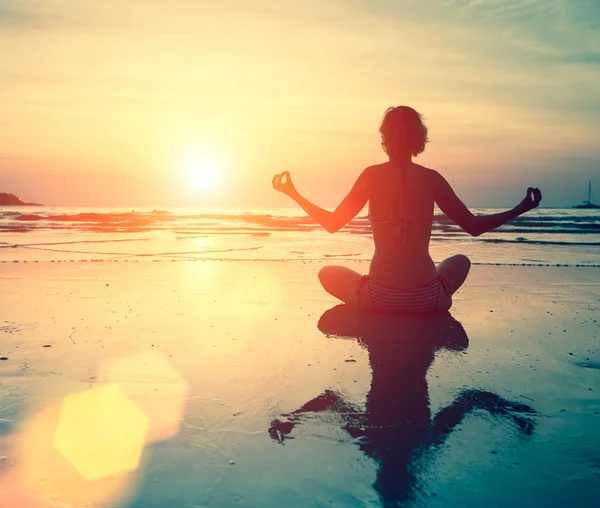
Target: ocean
542, 237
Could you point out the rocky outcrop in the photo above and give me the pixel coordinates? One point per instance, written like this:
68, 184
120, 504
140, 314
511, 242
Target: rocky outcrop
12, 200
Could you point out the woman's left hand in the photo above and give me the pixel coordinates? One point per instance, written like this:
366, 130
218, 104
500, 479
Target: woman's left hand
287, 187
531, 200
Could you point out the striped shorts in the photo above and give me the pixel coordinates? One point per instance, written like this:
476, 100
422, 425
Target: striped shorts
422, 299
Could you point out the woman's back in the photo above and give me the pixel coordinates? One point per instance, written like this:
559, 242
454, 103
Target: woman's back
401, 197
401, 209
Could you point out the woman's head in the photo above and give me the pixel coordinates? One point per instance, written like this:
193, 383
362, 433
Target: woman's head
403, 132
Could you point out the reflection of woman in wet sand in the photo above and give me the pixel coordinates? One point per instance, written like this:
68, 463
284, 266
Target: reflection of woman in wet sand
396, 428
401, 196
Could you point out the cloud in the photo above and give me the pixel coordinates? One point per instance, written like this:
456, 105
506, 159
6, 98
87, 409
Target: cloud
534, 60
506, 80
61, 16
14, 15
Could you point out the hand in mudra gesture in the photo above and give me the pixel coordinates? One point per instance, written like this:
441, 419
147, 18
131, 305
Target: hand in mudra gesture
531, 200
287, 187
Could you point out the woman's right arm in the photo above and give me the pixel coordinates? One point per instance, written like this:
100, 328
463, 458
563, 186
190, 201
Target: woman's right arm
476, 225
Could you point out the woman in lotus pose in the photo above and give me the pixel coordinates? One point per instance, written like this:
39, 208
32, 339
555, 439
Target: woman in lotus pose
401, 196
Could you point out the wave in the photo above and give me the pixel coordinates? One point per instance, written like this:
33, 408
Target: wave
210, 222
145, 254
536, 242
179, 258
248, 215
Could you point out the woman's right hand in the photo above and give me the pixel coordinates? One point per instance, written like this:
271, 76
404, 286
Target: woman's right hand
531, 200
282, 182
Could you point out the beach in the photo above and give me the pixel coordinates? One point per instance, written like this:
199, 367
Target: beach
251, 386
176, 176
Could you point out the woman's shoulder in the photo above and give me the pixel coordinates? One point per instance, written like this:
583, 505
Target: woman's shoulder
428, 171
375, 171
430, 175
377, 167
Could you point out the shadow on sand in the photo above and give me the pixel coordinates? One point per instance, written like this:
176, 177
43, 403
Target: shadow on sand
396, 428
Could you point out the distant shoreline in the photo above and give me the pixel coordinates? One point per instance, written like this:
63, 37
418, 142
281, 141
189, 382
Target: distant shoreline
7, 199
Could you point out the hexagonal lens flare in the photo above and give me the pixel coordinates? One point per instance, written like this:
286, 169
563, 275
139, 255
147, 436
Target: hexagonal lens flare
101, 432
43, 476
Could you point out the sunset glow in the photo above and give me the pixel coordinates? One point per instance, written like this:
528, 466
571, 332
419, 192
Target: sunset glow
202, 172
99, 111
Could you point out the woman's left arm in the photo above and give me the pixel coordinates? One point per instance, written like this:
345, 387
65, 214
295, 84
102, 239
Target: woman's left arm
353, 203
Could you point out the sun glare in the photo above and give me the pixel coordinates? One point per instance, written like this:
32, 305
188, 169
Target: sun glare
202, 173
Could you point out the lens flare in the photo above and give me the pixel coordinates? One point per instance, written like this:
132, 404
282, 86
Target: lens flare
42, 476
101, 432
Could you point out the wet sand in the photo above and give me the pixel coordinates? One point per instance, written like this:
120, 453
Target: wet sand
243, 383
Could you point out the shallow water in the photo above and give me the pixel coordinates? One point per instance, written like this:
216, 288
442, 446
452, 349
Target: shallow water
290, 399
541, 237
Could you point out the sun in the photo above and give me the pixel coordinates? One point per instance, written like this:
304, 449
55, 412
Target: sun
202, 172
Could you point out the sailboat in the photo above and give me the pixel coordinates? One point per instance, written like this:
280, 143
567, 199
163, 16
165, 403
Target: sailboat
588, 203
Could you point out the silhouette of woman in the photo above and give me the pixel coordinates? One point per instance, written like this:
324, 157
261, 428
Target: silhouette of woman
396, 428
401, 197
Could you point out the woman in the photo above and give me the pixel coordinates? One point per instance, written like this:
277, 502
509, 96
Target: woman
401, 196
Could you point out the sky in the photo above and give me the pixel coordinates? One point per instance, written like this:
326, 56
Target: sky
118, 103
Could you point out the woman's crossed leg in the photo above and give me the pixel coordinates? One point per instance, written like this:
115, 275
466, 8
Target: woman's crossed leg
345, 284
